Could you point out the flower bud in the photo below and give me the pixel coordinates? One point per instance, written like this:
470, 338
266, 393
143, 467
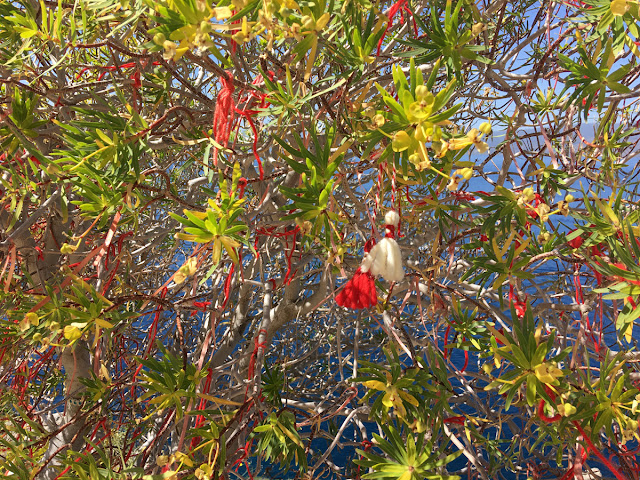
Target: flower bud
322, 21
379, 120
414, 158
466, 173
528, 193
566, 409
66, 249
421, 133
478, 28
369, 112
308, 22
485, 127
619, 7
401, 141
159, 39
421, 92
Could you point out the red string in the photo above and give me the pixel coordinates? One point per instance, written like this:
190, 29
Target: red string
459, 420
270, 231
247, 115
245, 454
466, 361
600, 456
227, 286
257, 345
151, 337
542, 415
366, 447
402, 7
200, 418
247, 112
519, 305
446, 340
242, 184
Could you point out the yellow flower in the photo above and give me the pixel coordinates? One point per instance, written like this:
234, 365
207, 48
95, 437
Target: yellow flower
422, 133
543, 211
619, 7
393, 398
466, 173
477, 29
544, 237
566, 409
222, 13
244, 34
482, 147
547, 373
184, 458
418, 426
29, 319
170, 50
401, 141
379, 120
441, 148
420, 111
67, 249
454, 183
72, 333
563, 207
422, 92
634, 405
186, 270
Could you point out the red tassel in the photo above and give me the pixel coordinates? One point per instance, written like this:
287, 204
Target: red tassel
359, 292
223, 115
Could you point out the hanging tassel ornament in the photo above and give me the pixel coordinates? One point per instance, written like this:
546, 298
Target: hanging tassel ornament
223, 114
360, 291
383, 259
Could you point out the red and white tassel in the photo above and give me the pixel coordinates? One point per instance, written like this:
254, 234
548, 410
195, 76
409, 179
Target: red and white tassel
360, 291
382, 259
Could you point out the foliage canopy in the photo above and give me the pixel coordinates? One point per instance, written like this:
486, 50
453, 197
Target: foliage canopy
186, 185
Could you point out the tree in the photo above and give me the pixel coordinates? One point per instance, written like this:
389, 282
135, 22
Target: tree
188, 186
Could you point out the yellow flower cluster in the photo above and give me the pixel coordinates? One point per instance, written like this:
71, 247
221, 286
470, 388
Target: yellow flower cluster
422, 131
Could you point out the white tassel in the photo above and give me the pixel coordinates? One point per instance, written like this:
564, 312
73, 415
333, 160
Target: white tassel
385, 258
